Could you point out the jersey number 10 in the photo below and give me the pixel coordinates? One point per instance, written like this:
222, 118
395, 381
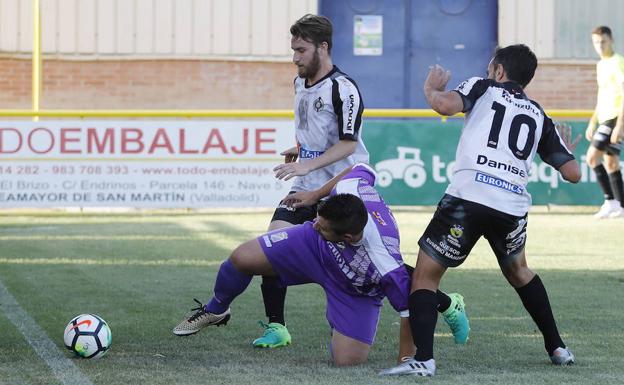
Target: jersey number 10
514, 131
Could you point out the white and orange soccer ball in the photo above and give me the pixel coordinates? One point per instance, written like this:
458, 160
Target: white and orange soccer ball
88, 335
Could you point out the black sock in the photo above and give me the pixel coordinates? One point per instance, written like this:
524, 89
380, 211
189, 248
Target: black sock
603, 181
535, 301
444, 301
423, 310
274, 296
615, 179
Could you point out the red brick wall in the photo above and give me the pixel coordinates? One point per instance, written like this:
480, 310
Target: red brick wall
564, 86
149, 84
194, 84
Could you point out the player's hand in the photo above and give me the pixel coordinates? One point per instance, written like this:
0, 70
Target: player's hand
565, 132
290, 155
437, 78
288, 170
616, 134
300, 199
589, 132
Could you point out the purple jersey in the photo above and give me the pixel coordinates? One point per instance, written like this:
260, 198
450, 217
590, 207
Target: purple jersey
372, 267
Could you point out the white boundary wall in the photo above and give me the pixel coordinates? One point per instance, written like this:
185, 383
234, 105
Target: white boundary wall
236, 29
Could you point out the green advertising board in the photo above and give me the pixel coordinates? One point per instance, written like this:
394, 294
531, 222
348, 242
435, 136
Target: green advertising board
413, 159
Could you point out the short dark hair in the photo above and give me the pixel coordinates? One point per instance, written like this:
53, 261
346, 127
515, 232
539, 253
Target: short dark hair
518, 61
602, 30
314, 29
346, 214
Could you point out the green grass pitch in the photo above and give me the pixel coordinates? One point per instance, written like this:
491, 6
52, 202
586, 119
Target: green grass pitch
140, 272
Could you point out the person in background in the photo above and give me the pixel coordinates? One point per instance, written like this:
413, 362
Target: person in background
604, 130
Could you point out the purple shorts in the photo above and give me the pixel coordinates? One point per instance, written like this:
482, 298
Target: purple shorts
296, 256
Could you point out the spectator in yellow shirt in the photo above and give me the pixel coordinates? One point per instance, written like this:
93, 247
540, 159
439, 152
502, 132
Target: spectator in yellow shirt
604, 130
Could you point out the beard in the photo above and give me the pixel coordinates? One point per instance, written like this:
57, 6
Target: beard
309, 71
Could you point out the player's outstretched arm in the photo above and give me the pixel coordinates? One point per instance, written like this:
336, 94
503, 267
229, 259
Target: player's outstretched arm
338, 151
591, 125
570, 170
308, 198
443, 102
290, 155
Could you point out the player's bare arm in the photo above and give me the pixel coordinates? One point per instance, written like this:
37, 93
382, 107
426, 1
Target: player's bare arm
338, 151
443, 102
570, 170
309, 198
591, 126
565, 132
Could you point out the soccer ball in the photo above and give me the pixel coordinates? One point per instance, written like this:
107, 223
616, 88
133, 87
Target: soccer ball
88, 335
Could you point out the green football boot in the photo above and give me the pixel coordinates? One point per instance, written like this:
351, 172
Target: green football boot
455, 317
274, 336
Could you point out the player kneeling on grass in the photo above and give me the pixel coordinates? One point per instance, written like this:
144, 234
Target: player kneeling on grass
487, 196
351, 250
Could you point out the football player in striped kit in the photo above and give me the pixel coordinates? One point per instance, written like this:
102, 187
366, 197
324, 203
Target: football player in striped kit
487, 196
328, 134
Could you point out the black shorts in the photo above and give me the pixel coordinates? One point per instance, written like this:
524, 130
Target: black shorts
294, 216
602, 138
458, 224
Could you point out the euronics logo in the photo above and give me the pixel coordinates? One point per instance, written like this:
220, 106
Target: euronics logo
493, 181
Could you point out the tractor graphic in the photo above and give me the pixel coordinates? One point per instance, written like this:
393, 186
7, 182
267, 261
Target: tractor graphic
407, 166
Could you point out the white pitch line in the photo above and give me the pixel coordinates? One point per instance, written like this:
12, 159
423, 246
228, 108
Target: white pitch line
64, 369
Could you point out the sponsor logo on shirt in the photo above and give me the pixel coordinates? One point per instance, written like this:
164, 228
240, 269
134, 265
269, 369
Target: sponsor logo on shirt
318, 104
483, 160
349, 128
279, 236
378, 218
462, 85
496, 182
309, 154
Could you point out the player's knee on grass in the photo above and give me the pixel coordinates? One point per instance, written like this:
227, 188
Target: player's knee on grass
350, 360
346, 351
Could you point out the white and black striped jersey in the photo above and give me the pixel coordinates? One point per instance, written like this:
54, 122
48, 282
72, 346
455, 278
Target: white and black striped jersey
502, 132
326, 112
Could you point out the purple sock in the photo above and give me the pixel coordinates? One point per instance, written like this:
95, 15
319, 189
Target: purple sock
230, 284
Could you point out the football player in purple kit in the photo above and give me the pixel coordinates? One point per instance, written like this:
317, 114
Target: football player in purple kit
351, 250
